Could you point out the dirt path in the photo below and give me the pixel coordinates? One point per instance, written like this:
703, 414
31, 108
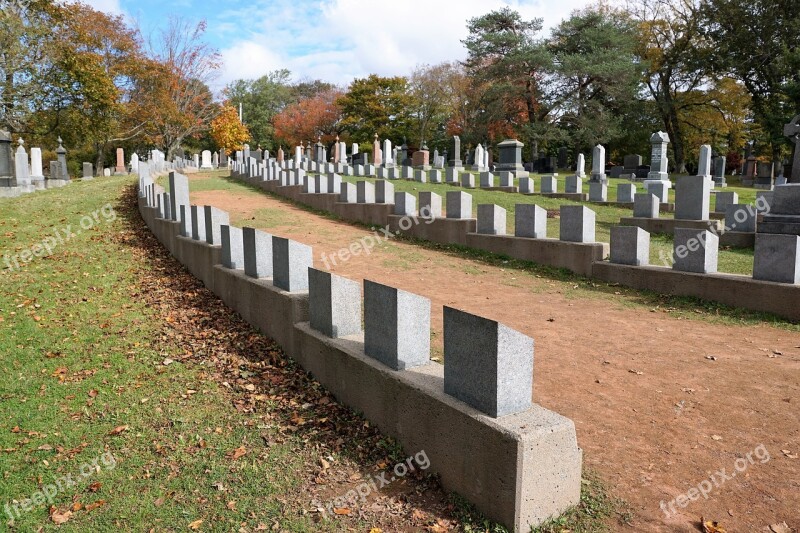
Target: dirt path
660, 403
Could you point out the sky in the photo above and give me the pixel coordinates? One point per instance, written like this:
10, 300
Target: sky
334, 40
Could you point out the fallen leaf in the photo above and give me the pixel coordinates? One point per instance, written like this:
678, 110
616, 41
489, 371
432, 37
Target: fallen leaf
92, 393
783, 527
159, 502
716, 437
15, 429
95, 505
709, 526
342, 511
45, 448
117, 430
194, 526
237, 453
58, 517
94, 487
231, 505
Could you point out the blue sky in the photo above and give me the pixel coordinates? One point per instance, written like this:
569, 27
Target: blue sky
334, 40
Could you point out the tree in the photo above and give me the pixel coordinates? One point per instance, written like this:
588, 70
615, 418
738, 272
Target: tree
511, 64
308, 119
433, 91
227, 130
376, 105
758, 42
261, 100
677, 58
185, 102
597, 75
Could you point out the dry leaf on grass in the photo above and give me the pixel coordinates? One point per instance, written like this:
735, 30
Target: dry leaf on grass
342, 511
194, 526
117, 430
95, 505
59, 517
237, 453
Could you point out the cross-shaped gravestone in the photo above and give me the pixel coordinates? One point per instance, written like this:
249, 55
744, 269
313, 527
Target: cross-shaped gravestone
792, 130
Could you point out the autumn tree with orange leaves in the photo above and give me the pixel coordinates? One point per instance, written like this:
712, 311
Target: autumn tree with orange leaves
309, 119
228, 131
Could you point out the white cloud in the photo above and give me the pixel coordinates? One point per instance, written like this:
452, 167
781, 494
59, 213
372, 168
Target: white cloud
342, 39
107, 6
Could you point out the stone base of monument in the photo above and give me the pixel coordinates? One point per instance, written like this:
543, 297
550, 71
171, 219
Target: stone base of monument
663, 208
786, 224
720, 182
10, 192
54, 184
440, 230
667, 226
737, 239
574, 196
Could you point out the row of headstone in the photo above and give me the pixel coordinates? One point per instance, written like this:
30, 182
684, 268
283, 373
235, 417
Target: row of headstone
21, 173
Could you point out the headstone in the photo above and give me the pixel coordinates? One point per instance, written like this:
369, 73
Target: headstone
421, 159
179, 194
377, 155
120, 168
334, 183
430, 205
405, 204
491, 219
740, 218
477, 163
489, 366
616, 172
525, 185
632, 162
37, 174
435, 176
459, 205
365, 192
510, 156
764, 176
777, 258
456, 161
563, 162
695, 251
215, 218
658, 157
599, 164
290, 262
7, 161
134, 163
232, 247
577, 224
396, 326
334, 304
88, 171
487, 180
645, 205
421, 176
658, 188
198, 221
718, 163
214, 160
630, 245
106, 172
348, 194
196, 161
257, 252
792, 130
384, 192
724, 199
598, 191
573, 185
530, 221
549, 185
781, 211
387, 153
626, 192
206, 163
468, 180
580, 166
692, 197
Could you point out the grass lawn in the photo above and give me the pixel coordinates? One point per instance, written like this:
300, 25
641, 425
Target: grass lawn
133, 399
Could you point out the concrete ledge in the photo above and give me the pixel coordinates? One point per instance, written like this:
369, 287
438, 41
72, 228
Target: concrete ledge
667, 225
371, 214
440, 230
574, 196
320, 201
519, 469
730, 289
501, 189
737, 239
574, 256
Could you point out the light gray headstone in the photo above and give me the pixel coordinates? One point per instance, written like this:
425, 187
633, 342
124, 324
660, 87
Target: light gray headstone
598, 191
577, 224
659, 188
290, 262
526, 185
232, 247
334, 304
88, 170
214, 219
198, 221
695, 251
741, 217
468, 180
530, 221
459, 204
692, 197
334, 183
186, 224
573, 184
724, 199
405, 204
179, 193
384, 192
487, 180
630, 245
506, 178
348, 193
435, 176
549, 185
491, 219
365, 192
777, 258
488, 366
626, 192
257, 248
397, 326
430, 204
645, 205
420, 176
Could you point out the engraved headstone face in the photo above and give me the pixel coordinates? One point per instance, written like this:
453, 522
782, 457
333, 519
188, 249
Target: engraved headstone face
658, 156
792, 130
